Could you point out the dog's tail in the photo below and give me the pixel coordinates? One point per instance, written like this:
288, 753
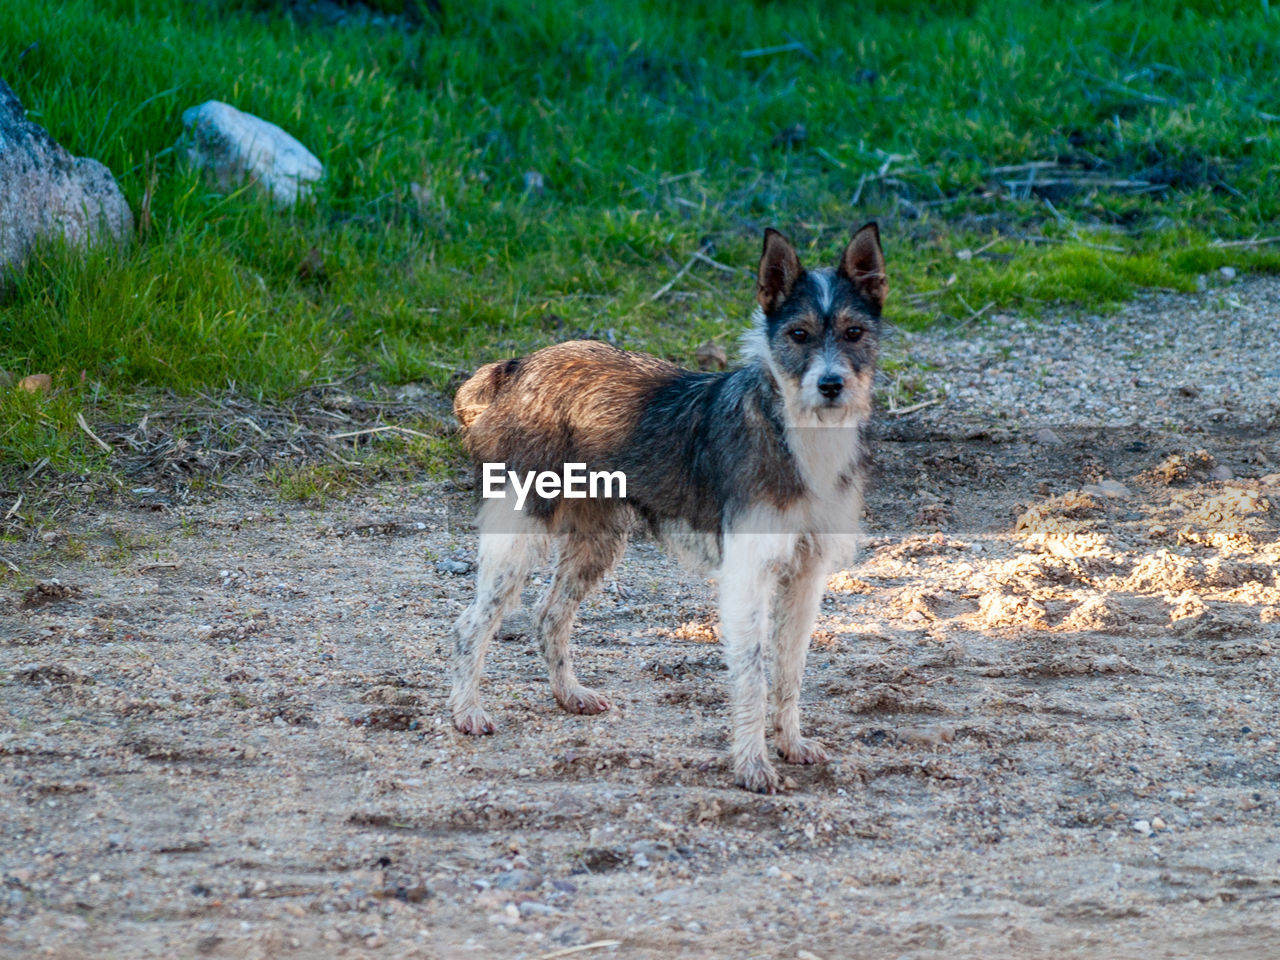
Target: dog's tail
480, 390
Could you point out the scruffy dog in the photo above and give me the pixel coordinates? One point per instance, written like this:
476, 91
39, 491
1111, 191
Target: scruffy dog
754, 475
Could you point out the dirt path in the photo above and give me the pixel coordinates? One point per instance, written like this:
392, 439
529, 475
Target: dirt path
1051, 686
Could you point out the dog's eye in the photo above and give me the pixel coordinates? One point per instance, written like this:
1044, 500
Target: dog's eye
853, 334
799, 334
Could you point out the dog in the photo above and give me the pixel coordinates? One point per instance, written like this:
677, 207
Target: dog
753, 475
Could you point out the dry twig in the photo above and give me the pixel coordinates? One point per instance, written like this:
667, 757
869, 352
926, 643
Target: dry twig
903, 411
702, 252
92, 436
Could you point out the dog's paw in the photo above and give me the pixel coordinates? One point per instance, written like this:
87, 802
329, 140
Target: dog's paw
582, 701
473, 721
804, 750
758, 776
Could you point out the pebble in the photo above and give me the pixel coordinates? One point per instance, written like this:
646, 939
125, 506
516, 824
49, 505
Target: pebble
456, 567
1222, 472
1112, 489
517, 880
675, 895
929, 736
1228, 272
1143, 827
531, 908
1048, 438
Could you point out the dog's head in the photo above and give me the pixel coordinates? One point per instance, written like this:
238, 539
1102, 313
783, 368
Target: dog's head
818, 331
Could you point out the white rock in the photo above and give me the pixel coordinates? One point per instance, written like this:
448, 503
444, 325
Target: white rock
1142, 826
234, 146
45, 192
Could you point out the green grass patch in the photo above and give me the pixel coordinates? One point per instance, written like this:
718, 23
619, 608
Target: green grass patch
655, 129
387, 456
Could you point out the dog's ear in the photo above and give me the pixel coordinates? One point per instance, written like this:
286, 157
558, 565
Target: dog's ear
779, 270
862, 264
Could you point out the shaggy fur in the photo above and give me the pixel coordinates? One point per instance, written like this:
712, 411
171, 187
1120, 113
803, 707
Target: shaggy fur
754, 476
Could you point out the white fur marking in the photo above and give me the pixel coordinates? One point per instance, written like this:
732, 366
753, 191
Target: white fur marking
822, 280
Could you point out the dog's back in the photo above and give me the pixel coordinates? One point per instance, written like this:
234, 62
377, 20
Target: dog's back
572, 401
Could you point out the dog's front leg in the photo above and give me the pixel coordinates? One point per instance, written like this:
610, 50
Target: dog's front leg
747, 586
798, 602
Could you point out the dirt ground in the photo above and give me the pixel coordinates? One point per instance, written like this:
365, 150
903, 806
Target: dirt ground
1050, 685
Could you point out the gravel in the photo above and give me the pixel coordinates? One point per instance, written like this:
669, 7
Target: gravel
1164, 360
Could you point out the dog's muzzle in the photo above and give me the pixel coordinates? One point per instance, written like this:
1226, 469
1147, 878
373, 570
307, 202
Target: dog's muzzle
830, 385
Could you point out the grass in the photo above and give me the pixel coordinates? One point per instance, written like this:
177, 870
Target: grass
657, 129
388, 457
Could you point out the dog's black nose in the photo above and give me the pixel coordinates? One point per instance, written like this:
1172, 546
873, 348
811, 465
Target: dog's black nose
831, 385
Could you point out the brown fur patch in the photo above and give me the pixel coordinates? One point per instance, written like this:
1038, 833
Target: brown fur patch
575, 401
479, 391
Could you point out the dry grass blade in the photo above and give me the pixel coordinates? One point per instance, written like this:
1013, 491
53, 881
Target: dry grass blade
794, 47
382, 429
1259, 242
666, 287
703, 258
92, 436
581, 948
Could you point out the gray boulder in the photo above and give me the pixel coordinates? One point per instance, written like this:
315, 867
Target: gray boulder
46, 193
233, 146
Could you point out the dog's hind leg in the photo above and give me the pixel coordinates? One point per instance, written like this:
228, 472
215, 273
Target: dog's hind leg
585, 555
799, 597
747, 585
503, 565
